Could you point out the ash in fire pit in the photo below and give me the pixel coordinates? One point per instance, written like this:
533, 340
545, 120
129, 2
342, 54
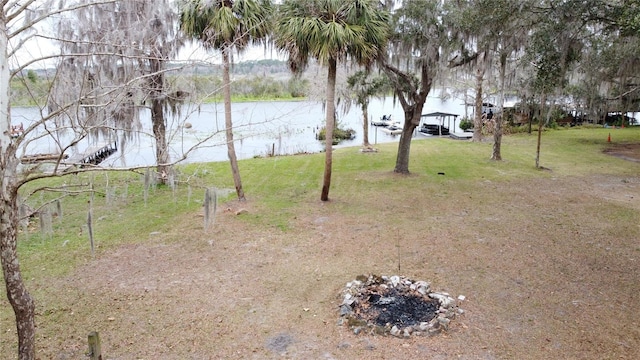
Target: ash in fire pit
395, 305
402, 308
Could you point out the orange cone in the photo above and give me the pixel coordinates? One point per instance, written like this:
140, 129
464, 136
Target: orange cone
609, 138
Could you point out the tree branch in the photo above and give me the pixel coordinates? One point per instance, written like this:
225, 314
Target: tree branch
463, 59
46, 15
400, 80
17, 12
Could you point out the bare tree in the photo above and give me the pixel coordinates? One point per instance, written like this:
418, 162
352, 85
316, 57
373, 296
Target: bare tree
19, 298
102, 65
92, 108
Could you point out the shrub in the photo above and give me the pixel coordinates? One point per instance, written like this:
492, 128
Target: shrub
521, 129
339, 134
466, 124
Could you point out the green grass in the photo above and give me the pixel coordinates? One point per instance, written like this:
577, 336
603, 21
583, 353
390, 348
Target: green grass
250, 98
123, 218
278, 187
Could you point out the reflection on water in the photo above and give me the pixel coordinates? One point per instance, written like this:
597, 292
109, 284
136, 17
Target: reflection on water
260, 128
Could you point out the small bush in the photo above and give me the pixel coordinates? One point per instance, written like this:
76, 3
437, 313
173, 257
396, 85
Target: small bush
466, 124
520, 129
339, 134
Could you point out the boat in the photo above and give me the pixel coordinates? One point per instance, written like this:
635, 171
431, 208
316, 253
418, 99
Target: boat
393, 129
434, 129
385, 120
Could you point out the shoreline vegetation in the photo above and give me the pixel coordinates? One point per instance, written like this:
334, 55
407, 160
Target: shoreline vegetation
22, 98
262, 80
209, 100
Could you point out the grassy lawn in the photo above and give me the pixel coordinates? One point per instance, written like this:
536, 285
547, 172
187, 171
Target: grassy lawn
447, 176
281, 186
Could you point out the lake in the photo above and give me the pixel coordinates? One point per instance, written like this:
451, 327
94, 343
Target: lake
284, 127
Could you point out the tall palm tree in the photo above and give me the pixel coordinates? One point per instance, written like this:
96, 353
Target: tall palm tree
227, 25
330, 31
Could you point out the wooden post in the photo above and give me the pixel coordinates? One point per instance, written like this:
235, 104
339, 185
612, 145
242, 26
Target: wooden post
210, 205
95, 353
90, 231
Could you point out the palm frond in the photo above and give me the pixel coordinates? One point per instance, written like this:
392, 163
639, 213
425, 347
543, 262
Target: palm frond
331, 29
231, 24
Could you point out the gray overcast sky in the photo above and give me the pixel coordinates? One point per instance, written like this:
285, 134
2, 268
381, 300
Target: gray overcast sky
37, 48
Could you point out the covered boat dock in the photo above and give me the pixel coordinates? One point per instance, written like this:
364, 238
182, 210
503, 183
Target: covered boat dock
441, 117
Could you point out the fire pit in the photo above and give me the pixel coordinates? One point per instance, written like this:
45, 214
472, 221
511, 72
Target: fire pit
395, 305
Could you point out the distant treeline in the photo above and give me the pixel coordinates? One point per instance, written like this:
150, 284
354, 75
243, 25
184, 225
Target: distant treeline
256, 67
249, 87
251, 80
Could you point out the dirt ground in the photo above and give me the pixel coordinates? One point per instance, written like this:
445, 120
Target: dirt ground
629, 152
549, 268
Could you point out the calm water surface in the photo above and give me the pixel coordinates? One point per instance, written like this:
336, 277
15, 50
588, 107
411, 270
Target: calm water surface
287, 127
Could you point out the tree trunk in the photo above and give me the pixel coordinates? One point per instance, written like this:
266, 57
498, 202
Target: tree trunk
411, 120
540, 124
330, 124
17, 294
499, 118
19, 298
412, 112
412, 115
529, 114
231, 150
478, 121
365, 125
159, 131
158, 121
